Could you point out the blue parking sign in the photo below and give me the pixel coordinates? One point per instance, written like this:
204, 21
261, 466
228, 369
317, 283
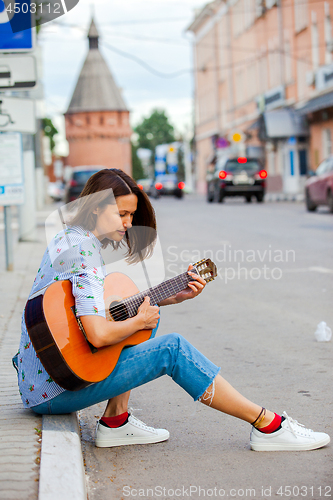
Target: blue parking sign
16, 34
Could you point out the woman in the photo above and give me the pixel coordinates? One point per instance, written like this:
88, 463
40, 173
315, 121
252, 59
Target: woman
111, 205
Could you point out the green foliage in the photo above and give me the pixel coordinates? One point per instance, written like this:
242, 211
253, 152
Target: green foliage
137, 169
50, 131
154, 130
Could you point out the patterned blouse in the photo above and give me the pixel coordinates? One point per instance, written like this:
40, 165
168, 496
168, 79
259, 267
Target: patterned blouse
73, 254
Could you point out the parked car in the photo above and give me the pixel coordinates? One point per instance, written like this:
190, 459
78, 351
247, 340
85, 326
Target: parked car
319, 186
237, 177
78, 178
56, 190
148, 186
168, 184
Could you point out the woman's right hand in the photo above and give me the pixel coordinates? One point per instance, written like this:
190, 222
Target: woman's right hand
149, 315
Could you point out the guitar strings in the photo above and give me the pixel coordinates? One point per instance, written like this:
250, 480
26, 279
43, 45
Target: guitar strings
131, 309
165, 286
132, 303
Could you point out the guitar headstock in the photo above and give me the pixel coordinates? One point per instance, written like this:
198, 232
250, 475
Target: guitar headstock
206, 269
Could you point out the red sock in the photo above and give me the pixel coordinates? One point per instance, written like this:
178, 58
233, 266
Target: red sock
273, 426
116, 421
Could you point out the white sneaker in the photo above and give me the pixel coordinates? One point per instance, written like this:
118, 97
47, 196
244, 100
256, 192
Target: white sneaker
291, 437
133, 432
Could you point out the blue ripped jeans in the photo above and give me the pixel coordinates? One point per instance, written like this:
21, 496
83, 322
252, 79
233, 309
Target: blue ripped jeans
169, 355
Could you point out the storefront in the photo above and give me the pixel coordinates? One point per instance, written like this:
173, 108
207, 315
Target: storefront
284, 134
319, 114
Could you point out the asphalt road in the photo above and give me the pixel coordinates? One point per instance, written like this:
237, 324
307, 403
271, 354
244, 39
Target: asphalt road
257, 321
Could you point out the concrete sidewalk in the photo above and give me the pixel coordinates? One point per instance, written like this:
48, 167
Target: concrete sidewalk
31, 466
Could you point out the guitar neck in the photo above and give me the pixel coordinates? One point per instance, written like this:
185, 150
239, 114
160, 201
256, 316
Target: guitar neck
157, 293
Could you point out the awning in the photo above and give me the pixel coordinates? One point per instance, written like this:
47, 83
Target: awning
282, 123
317, 104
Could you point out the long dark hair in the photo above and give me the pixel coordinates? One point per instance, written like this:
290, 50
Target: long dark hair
141, 237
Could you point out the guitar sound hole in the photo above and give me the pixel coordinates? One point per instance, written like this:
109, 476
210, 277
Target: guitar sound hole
118, 311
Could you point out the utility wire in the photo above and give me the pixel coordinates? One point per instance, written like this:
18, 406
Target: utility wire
144, 64
245, 62
198, 70
234, 47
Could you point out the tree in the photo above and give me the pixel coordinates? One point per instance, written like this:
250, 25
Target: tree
137, 169
50, 131
154, 130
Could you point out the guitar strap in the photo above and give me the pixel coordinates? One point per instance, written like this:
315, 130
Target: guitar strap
144, 269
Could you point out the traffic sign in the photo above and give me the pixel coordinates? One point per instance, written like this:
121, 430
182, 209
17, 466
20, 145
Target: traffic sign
16, 34
17, 71
17, 115
11, 169
23, 15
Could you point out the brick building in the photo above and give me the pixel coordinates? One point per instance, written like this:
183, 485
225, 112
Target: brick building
264, 68
97, 120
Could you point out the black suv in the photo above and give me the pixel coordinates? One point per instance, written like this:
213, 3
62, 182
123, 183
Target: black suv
238, 177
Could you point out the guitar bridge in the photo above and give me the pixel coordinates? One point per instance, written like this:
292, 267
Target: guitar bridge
79, 322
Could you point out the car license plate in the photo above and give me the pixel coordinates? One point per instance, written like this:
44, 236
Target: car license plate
242, 179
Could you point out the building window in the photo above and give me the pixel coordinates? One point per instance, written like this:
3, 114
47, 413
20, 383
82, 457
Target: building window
328, 34
260, 8
327, 142
206, 106
288, 74
224, 117
314, 40
205, 50
88, 120
302, 68
101, 120
274, 62
239, 97
252, 80
301, 15
249, 13
263, 71
238, 18
222, 47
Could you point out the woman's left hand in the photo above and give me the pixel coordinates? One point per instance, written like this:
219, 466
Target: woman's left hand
194, 288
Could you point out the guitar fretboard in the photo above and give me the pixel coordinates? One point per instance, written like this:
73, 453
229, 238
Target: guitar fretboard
157, 293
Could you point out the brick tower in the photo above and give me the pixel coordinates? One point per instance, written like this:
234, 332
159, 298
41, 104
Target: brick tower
97, 120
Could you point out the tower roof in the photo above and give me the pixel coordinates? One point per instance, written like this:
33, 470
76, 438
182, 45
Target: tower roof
93, 33
96, 89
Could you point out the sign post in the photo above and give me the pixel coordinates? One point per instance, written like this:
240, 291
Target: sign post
16, 34
11, 185
17, 115
17, 72
8, 238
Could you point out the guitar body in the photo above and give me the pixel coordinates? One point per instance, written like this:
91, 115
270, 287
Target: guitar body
59, 338
61, 345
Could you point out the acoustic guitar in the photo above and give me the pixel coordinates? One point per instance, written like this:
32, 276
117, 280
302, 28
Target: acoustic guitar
58, 335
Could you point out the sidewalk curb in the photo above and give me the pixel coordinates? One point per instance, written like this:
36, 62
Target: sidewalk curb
284, 197
62, 472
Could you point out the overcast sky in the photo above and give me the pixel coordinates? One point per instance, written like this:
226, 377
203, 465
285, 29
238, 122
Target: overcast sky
153, 31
